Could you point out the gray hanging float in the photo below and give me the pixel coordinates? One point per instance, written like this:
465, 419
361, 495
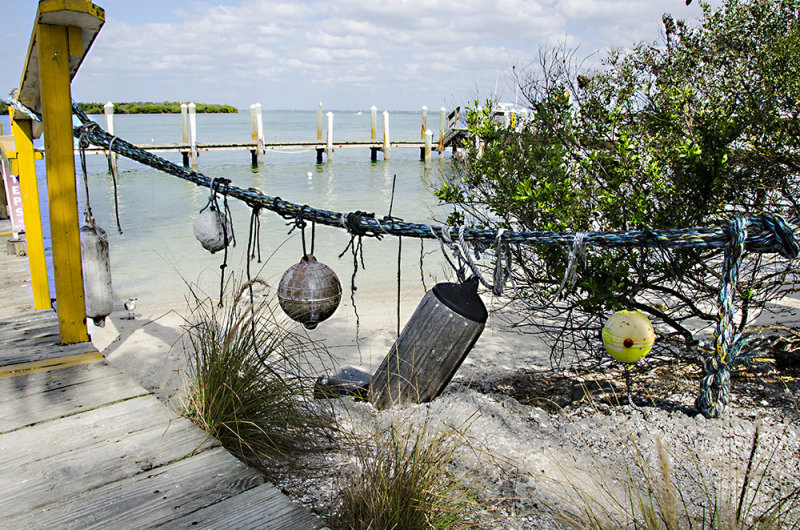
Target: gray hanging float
212, 229
309, 292
212, 226
96, 272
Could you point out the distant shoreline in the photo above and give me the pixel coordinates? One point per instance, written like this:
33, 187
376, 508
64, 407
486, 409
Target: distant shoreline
163, 107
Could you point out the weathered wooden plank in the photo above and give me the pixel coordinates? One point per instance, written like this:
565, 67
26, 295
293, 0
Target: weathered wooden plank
85, 429
41, 396
35, 484
37, 322
38, 350
264, 507
29, 316
21, 334
148, 499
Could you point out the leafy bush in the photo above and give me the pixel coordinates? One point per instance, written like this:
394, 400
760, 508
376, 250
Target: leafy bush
686, 132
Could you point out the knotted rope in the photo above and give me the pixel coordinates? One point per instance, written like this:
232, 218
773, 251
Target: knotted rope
729, 347
762, 234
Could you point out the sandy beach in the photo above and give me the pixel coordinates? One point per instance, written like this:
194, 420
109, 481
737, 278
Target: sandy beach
546, 446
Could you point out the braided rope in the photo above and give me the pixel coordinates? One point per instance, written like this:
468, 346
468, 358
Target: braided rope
716, 383
766, 233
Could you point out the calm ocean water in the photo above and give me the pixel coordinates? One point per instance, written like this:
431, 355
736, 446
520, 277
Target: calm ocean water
157, 252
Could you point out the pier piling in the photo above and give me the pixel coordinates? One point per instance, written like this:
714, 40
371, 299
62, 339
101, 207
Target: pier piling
193, 132
386, 145
257, 133
108, 110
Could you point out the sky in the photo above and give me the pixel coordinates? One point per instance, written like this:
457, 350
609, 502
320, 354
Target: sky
346, 54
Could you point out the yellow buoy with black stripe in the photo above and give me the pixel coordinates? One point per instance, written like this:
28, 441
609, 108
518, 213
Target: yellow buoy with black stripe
628, 336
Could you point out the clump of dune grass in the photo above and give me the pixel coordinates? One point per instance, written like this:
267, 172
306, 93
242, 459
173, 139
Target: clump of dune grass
405, 478
654, 500
246, 385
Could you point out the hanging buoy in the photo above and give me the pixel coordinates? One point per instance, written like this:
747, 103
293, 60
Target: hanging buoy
212, 229
432, 345
96, 272
628, 336
309, 292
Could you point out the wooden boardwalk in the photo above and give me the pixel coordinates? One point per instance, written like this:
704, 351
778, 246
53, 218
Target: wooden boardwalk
84, 446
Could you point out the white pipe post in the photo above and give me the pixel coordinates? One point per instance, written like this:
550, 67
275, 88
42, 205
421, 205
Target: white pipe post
108, 109
329, 147
319, 122
424, 122
257, 131
386, 144
260, 123
442, 128
428, 147
373, 111
185, 124
193, 132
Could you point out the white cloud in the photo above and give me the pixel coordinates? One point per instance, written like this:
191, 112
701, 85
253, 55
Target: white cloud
297, 52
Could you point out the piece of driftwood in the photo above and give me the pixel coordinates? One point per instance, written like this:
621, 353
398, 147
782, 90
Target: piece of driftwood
431, 347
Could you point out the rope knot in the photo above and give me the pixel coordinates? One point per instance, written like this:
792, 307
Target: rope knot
353, 223
773, 234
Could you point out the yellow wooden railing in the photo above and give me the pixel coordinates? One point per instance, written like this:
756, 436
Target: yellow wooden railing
63, 32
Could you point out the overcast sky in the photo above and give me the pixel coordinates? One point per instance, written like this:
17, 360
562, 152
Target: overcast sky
348, 54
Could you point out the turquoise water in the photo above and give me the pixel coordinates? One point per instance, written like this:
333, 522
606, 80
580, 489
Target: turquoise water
157, 252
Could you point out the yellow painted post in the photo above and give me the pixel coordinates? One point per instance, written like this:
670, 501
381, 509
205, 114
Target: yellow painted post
53, 44
22, 129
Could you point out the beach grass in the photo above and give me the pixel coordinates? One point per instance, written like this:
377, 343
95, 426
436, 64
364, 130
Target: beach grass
247, 385
675, 490
405, 477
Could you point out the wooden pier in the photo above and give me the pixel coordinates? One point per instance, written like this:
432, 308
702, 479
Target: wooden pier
450, 135
84, 446
186, 149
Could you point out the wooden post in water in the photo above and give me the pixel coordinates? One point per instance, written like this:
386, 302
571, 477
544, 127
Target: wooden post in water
424, 122
193, 132
108, 109
442, 128
257, 133
329, 146
185, 133
319, 122
373, 133
386, 145
428, 147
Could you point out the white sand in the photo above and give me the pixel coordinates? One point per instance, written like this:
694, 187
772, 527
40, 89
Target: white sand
540, 463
